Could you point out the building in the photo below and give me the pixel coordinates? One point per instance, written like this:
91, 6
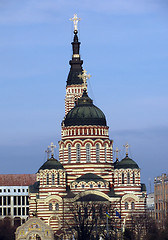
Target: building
14, 196
161, 199
85, 171
150, 205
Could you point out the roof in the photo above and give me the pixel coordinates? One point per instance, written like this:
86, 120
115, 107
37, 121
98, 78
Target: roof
126, 163
76, 63
51, 163
17, 179
90, 177
92, 197
85, 113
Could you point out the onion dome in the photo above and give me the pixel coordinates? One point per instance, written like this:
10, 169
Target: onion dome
85, 113
51, 163
126, 163
76, 63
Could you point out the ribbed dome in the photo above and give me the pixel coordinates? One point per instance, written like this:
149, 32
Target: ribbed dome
85, 113
51, 163
126, 163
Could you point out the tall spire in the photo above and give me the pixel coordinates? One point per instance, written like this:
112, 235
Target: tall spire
76, 62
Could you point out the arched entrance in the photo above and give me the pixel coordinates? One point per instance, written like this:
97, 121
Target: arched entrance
34, 229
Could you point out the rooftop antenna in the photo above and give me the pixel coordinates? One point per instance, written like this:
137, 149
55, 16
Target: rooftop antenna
150, 188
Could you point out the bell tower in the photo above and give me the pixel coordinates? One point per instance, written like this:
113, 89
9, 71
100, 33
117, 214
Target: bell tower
74, 84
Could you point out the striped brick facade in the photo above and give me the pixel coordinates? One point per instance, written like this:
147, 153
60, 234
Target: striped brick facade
85, 150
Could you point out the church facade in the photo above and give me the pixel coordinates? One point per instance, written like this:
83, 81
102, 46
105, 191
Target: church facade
85, 171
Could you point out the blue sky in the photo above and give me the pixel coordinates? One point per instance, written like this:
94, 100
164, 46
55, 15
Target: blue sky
124, 45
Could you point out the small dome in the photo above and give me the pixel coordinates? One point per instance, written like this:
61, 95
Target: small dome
85, 113
51, 163
126, 163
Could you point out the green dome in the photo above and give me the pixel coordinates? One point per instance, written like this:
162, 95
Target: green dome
126, 163
51, 163
85, 113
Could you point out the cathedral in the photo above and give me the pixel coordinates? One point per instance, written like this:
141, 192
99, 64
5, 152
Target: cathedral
85, 170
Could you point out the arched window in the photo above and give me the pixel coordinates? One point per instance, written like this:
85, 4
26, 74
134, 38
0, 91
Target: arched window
87, 152
97, 152
69, 153
133, 178
53, 178
132, 205
47, 178
78, 152
122, 178
126, 205
112, 177
105, 153
50, 206
56, 206
58, 178
128, 178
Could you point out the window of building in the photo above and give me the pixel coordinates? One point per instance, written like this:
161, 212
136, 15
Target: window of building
18, 190
78, 152
0, 190
15, 211
47, 178
19, 211
0, 211
69, 153
112, 177
128, 178
53, 178
4, 190
50, 206
15, 200
58, 178
105, 153
27, 200
122, 178
23, 190
126, 205
99, 186
97, 152
4, 212
133, 178
9, 200
19, 200
87, 152
91, 185
118, 179
76, 186
8, 190
83, 185
27, 211
14, 190
23, 200
4, 200
57, 206
23, 211
132, 205
0, 200
9, 211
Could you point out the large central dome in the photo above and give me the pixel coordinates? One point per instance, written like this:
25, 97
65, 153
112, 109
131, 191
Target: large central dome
85, 113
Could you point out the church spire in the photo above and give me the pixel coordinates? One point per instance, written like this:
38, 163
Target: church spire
76, 62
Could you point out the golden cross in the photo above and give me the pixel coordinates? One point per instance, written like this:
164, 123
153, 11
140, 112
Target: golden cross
126, 148
52, 146
117, 152
75, 20
84, 76
48, 151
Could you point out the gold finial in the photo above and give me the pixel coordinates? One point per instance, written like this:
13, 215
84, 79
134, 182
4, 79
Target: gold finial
126, 148
75, 20
117, 152
84, 76
52, 146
